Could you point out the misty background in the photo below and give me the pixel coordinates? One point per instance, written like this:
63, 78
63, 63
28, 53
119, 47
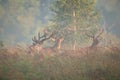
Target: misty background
21, 19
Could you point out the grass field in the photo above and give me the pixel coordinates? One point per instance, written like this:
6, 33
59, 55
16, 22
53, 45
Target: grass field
99, 64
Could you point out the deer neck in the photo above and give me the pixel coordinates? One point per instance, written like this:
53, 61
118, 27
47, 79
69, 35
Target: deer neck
59, 42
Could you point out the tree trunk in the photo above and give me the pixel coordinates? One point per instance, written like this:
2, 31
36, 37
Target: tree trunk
74, 27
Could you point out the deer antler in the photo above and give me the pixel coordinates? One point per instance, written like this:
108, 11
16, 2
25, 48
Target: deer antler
95, 38
34, 39
46, 38
41, 38
100, 32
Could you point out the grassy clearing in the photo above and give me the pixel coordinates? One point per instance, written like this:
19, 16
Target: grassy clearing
100, 64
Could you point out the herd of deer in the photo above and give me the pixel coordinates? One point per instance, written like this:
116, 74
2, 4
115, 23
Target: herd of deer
37, 47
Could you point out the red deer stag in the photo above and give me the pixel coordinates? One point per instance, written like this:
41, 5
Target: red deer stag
95, 38
95, 42
37, 42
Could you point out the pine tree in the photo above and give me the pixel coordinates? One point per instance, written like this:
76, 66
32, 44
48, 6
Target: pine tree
79, 15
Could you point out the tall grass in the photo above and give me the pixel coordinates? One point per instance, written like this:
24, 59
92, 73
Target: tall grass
99, 64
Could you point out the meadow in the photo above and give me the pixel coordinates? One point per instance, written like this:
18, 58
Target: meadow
98, 64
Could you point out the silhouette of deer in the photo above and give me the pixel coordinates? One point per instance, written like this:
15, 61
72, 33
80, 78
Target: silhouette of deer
37, 42
95, 38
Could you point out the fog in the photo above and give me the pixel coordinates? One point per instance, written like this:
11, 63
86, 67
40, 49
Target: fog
20, 20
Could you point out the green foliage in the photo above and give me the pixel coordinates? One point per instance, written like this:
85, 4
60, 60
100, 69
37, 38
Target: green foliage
79, 14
